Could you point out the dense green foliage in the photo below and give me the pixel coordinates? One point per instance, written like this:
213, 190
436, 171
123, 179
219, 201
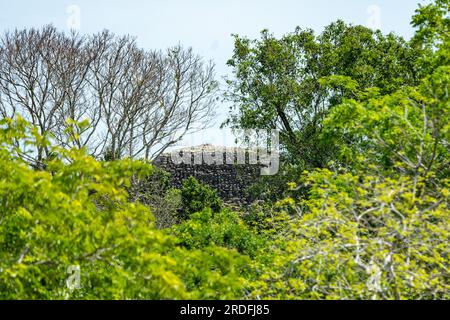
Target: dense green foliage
377, 224
365, 121
224, 228
76, 213
292, 82
195, 196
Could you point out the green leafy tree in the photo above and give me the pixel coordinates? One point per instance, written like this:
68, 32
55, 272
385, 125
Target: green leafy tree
74, 220
377, 225
405, 132
291, 83
433, 32
366, 237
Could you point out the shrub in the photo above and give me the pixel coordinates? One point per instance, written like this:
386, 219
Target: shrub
196, 196
224, 228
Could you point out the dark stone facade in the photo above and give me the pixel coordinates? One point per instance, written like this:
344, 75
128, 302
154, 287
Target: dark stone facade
230, 180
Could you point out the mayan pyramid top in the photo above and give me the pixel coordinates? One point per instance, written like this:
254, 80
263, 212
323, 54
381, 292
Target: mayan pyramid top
209, 148
210, 154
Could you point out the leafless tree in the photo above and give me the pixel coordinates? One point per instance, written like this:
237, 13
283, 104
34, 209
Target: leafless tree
184, 103
137, 102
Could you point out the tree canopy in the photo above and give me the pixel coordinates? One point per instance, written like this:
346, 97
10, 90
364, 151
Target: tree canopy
291, 83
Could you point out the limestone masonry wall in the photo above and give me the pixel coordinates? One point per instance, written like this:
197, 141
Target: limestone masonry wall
230, 180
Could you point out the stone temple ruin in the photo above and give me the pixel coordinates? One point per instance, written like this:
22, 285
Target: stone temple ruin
228, 170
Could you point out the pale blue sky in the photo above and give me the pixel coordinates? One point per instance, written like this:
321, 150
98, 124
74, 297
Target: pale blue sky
206, 25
